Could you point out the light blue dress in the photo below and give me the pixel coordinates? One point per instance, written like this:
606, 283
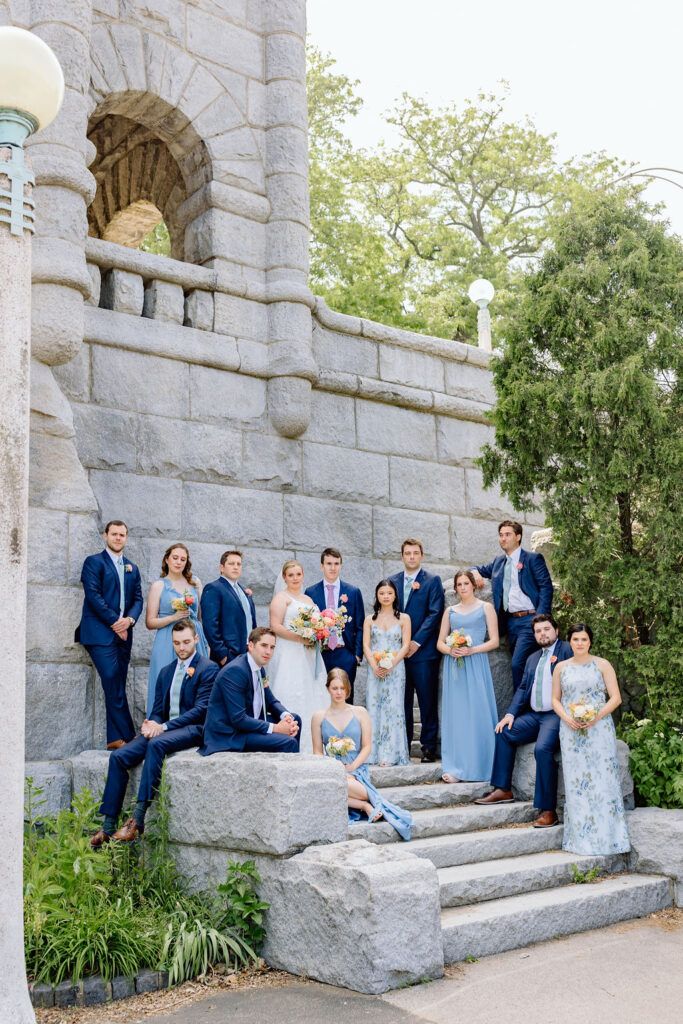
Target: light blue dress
396, 816
594, 820
385, 701
162, 651
468, 713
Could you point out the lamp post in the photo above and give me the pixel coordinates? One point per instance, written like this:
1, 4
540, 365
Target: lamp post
31, 93
481, 292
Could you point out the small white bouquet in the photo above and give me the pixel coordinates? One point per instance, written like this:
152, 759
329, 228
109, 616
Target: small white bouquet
340, 746
582, 710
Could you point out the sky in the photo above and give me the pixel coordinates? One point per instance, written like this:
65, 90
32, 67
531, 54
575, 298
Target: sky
601, 74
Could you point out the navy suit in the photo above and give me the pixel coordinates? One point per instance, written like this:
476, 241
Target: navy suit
230, 722
110, 654
425, 607
534, 580
223, 619
344, 657
530, 725
182, 732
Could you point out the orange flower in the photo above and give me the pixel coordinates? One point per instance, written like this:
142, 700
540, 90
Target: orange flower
553, 657
189, 672
416, 585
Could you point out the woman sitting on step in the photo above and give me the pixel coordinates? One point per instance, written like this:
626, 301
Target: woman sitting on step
344, 731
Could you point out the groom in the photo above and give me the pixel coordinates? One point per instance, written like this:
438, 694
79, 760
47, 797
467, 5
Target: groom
333, 592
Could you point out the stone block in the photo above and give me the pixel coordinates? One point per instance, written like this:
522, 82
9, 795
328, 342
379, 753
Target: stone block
240, 317
475, 541
289, 200
219, 395
470, 381
147, 504
164, 301
51, 616
89, 771
414, 369
501, 673
65, 993
122, 291
335, 351
105, 438
57, 479
273, 462
388, 900
385, 428
286, 104
250, 516
42, 994
331, 415
524, 774
84, 538
217, 234
194, 451
490, 503
59, 710
459, 442
657, 843
426, 485
146, 981
344, 473
74, 377
317, 523
93, 990
287, 240
140, 383
289, 322
287, 151
224, 43
96, 278
392, 525
122, 988
46, 546
54, 779
276, 804
199, 310
50, 410
285, 56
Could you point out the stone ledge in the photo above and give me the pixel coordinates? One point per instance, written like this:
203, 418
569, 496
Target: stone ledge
524, 774
657, 844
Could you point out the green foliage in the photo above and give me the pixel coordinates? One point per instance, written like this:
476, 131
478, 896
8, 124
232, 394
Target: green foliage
119, 909
158, 240
581, 877
656, 762
588, 418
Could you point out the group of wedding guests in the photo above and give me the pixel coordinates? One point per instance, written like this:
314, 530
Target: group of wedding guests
219, 682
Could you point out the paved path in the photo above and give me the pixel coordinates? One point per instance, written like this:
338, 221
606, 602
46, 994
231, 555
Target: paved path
627, 974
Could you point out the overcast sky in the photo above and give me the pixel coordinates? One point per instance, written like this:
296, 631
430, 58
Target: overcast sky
602, 74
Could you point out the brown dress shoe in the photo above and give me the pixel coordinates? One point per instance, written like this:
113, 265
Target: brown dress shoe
497, 796
128, 831
101, 838
546, 819
116, 744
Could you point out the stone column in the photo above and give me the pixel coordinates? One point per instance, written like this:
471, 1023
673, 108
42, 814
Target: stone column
15, 331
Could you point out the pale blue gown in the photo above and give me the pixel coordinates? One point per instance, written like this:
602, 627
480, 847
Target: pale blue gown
162, 651
385, 701
396, 816
594, 819
468, 714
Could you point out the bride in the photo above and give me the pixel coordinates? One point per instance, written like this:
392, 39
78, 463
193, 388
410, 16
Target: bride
292, 670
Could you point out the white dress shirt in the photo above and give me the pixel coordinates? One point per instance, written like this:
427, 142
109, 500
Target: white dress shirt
256, 682
517, 599
547, 701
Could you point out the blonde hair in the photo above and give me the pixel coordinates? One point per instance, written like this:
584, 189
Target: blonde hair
342, 676
288, 565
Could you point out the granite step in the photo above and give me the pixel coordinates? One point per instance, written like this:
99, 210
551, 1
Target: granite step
438, 794
464, 884
444, 821
492, 844
404, 774
515, 921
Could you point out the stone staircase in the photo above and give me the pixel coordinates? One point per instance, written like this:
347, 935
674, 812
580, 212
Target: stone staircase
504, 884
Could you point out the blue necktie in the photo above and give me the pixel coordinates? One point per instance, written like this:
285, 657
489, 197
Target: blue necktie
506, 582
119, 566
538, 679
407, 588
176, 687
244, 601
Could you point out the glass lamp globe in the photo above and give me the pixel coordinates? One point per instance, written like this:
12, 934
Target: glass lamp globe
481, 292
31, 84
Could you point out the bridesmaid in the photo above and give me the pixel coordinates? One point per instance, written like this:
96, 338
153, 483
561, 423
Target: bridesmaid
348, 720
176, 579
387, 629
469, 715
594, 819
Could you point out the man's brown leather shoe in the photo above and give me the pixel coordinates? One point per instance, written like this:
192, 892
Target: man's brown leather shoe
101, 838
546, 819
497, 796
128, 831
116, 744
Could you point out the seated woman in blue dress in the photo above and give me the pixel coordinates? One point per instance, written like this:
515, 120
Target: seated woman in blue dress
352, 722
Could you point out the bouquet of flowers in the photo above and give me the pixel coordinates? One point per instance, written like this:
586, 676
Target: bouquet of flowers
340, 746
384, 659
184, 603
324, 628
582, 710
458, 638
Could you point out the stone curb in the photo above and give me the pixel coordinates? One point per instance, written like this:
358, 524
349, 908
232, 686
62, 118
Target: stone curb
94, 989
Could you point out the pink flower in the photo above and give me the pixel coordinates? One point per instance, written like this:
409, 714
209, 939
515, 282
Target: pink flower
553, 657
128, 567
416, 585
343, 598
248, 591
189, 600
519, 565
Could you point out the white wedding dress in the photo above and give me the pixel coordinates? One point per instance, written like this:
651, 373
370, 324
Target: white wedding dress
293, 680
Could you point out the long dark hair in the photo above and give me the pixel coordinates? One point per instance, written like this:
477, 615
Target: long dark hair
187, 571
377, 605
580, 627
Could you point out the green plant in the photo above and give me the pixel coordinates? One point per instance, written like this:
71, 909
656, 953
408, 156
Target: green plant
581, 877
469, 959
656, 763
244, 910
191, 945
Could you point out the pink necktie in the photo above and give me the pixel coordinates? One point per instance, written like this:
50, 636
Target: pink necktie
330, 595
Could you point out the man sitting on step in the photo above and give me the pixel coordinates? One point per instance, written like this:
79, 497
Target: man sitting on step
531, 717
176, 723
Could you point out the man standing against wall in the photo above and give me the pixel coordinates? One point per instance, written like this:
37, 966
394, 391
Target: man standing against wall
333, 592
228, 612
112, 605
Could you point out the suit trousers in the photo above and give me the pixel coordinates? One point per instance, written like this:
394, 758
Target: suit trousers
153, 752
544, 727
422, 677
111, 663
522, 644
342, 657
272, 742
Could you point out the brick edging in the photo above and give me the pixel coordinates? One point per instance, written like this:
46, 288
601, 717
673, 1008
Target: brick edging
94, 989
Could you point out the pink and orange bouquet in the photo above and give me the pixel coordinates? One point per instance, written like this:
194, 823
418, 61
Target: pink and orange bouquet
340, 746
322, 627
184, 603
458, 638
384, 659
582, 710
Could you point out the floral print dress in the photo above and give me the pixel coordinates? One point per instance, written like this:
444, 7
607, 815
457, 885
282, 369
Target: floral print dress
385, 702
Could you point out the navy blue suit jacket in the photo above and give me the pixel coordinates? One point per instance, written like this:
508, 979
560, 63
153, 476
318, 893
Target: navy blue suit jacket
534, 581
231, 709
521, 701
102, 599
194, 693
425, 607
225, 626
353, 630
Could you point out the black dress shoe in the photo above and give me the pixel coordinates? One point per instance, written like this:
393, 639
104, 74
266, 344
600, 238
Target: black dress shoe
428, 756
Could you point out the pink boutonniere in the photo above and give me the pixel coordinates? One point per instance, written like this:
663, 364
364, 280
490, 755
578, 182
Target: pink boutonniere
416, 585
189, 672
519, 565
343, 598
553, 657
128, 567
247, 590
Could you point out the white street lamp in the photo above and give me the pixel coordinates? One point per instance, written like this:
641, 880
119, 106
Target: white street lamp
31, 93
481, 292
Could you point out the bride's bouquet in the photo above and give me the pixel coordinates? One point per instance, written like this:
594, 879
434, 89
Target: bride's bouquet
384, 659
324, 628
582, 710
458, 638
184, 603
340, 746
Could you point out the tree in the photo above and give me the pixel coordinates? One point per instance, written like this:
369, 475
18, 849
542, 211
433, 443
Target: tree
589, 414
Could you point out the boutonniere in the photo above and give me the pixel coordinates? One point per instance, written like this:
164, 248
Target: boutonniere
128, 567
416, 585
553, 657
343, 598
520, 565
189, 672
266, 681
247, 590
